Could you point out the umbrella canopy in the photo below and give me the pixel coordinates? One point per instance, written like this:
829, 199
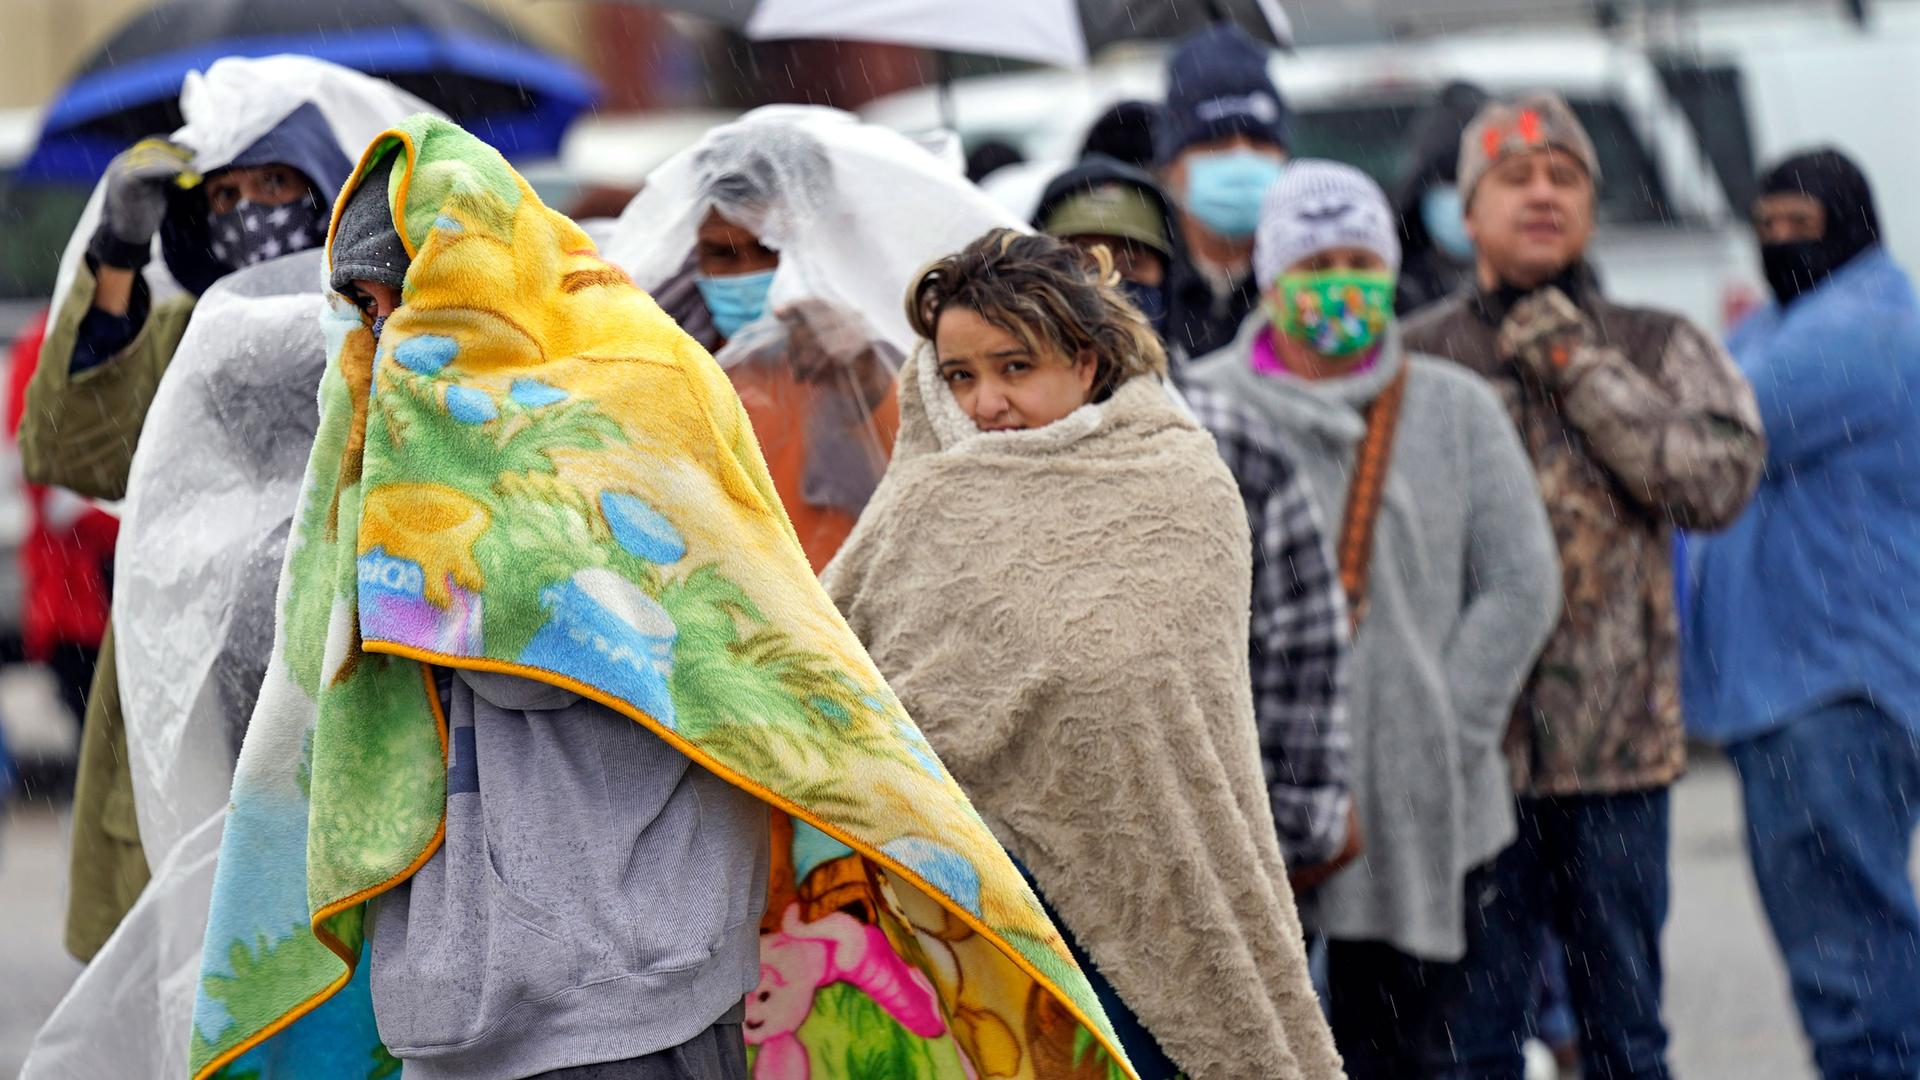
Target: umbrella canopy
472, 65
1046, 32
1109, 22
1062, 33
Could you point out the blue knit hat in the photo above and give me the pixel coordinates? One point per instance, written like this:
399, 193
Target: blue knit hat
1217, 85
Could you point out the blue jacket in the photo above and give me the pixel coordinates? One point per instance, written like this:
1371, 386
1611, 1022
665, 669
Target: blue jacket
1813, 595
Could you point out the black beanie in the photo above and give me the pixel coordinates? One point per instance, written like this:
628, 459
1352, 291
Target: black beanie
1218, 85
1125, 133
366, 247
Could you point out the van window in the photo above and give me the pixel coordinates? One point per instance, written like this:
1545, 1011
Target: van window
1372, 137
1714, 99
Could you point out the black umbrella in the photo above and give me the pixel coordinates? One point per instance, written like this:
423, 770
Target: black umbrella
471, 65
1109, 22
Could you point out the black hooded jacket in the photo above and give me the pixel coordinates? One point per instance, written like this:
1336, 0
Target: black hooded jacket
1831, 178
1097, 171
1428, 274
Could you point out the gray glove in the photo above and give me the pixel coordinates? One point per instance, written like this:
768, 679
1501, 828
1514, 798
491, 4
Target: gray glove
136, 200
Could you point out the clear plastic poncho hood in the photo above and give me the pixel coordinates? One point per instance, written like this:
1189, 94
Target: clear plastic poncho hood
858, 209
854, 212
232, 105
210, 500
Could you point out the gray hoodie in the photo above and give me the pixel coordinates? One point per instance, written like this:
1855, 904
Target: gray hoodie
597, 898
1464, 589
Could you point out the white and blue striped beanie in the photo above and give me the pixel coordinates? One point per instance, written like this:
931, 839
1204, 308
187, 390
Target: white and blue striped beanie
1318, 205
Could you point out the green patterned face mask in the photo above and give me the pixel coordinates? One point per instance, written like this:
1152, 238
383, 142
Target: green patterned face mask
1334, 312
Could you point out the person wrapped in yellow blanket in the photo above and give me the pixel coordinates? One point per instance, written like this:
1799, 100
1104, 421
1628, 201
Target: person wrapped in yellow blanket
548, 650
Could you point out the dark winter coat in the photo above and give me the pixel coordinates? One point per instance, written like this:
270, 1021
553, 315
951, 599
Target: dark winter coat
1636, 421
1428, 274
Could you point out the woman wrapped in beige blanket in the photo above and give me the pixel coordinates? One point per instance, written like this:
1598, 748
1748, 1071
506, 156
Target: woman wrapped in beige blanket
1054, 577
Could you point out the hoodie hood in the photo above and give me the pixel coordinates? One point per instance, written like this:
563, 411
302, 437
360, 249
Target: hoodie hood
1096, 172
366, 246
1853, 225
1433, 155
302, 140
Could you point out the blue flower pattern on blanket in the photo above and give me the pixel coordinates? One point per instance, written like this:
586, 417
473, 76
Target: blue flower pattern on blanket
946, 869
605, 632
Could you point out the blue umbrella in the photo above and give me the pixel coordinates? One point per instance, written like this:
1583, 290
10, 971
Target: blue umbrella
473, 66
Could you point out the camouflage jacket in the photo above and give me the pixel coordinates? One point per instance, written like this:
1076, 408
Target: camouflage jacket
1637, 422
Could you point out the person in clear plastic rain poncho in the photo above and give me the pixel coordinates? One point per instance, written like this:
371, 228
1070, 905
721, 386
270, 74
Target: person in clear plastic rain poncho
210, 500
248, 179
782, 242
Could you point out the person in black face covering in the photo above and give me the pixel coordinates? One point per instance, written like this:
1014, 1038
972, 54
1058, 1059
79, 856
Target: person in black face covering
107, 348
1813, 215
1799, 656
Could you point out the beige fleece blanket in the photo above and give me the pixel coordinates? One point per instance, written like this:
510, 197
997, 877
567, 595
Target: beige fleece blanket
1065, 611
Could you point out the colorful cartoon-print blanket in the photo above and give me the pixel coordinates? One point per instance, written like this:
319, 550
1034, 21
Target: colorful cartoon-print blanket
534, 471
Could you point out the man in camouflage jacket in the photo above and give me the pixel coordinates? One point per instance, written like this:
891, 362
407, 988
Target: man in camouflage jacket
1637, 423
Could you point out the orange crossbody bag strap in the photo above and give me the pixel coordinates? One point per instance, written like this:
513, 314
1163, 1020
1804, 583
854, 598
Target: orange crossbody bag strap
1364, 494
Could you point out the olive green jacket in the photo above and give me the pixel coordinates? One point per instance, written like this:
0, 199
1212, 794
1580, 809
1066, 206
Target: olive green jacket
78, 432
108, 867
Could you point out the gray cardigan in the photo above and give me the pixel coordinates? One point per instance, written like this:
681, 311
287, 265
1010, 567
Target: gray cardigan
1464, 589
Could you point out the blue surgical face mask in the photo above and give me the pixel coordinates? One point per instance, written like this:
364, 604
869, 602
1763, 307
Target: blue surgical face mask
1446, 222
1151, 300
734, 300
1224, 190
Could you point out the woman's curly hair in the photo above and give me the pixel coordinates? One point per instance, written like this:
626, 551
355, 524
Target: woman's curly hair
1051, 295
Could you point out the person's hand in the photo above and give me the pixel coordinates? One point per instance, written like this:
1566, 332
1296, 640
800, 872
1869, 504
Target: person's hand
1307, 878
826, 341
821, 337
1543, 334
136, 200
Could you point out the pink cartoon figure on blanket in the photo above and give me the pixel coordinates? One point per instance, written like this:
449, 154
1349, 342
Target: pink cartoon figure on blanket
804, 957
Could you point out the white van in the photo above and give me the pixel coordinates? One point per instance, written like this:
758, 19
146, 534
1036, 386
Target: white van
1812, 76
1669, 236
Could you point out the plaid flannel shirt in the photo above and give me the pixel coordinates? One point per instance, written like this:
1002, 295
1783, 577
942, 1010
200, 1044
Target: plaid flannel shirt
1298, 647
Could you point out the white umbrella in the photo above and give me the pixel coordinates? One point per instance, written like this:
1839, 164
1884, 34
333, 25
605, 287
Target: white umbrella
1058, 33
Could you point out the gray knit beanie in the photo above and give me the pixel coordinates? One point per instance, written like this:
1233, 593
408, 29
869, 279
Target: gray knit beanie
1318, 205
366, 247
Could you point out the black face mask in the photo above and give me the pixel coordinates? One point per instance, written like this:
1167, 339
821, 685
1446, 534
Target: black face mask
1798, 267
1152, 302
250, 234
